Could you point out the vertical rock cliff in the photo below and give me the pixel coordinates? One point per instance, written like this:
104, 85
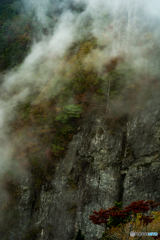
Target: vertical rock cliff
100, 167
79, 116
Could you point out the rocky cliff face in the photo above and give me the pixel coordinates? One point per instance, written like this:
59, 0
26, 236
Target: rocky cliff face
100, 167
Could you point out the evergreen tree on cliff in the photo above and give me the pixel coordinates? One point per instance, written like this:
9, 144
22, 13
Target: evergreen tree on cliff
79, 236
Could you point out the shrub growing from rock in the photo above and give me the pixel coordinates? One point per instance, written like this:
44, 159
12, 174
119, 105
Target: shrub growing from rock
79, 235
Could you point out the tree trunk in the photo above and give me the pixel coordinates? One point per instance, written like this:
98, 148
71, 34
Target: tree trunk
108, 93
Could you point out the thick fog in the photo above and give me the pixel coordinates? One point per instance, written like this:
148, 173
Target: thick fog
128, 28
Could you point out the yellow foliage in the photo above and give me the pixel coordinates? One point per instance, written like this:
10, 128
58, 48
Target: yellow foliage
58, 109
123, 231
156, 215
47, 130
32, 146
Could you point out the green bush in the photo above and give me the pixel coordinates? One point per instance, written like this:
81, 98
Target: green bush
56, 149
67, 129
116, 221
69, 111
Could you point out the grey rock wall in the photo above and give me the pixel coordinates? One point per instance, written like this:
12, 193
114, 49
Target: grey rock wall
98, 169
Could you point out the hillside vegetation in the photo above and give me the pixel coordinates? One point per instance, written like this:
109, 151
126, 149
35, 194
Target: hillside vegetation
46, 122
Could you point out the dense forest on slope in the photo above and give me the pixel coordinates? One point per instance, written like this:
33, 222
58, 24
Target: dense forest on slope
15, 35
41, 131
18, 28
81, 84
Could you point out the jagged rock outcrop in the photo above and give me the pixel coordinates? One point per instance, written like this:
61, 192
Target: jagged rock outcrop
100, 167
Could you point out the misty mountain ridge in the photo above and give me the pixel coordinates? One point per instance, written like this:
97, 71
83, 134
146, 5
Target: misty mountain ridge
79, 113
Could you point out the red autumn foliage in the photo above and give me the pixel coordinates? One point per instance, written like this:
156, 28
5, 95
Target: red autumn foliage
80, 98
112, 64
135, 207
49, 154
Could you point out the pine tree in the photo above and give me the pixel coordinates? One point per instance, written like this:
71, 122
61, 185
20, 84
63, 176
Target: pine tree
79, 236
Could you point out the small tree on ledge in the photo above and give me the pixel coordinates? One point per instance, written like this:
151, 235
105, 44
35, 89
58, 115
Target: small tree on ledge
79, 236
115, 216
